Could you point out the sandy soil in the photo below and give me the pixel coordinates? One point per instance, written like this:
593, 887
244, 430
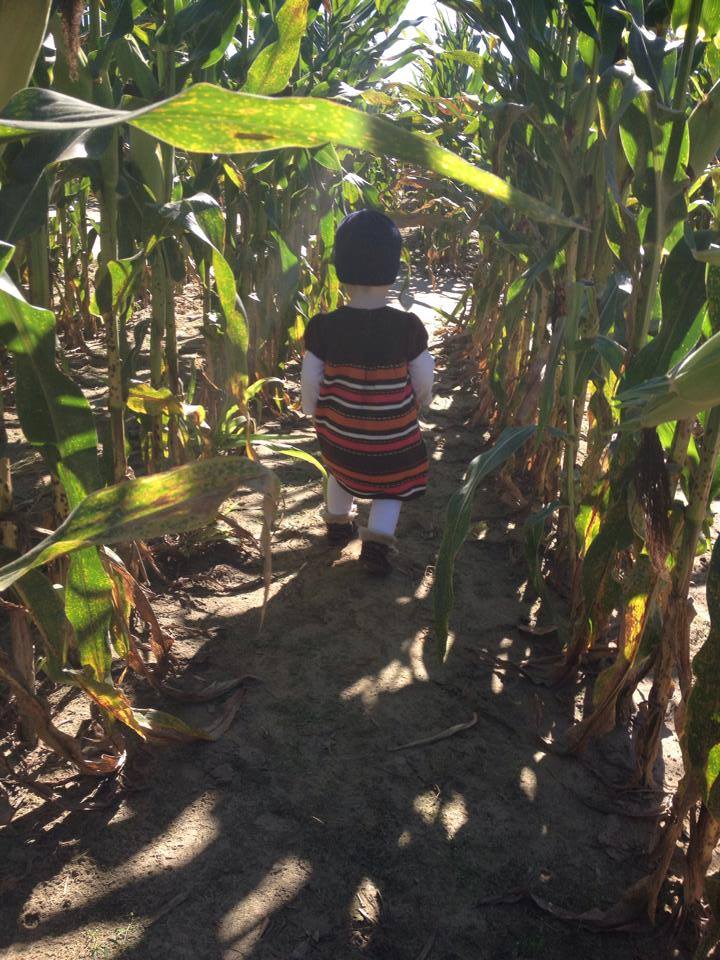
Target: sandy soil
302, 833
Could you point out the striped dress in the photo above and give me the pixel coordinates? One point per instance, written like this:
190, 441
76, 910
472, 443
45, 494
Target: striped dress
367, 416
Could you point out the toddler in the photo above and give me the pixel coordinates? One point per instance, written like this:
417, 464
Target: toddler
366, 372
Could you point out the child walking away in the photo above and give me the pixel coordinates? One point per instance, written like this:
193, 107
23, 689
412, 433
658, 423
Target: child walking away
366, 372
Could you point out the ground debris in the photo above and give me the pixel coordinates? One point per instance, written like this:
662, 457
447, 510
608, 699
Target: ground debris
443, 735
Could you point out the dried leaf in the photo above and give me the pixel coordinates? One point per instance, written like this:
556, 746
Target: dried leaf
624, 916
165, 728
443, 735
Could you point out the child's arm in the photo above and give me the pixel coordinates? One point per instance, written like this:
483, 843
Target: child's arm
311, 378
422, 370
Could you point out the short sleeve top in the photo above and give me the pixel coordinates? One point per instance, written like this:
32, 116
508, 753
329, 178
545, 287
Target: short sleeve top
366, 338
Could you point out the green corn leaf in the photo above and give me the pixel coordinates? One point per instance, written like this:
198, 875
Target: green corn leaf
270, 71
56, 417
457, 524
287, 450
612, 352
246, 123
45, 607
534, 533
88, 607
200, 216
619, 89
181, 499
692, 386
704, 128
254, 389
579, 15
26, 24
682, 294
44, 604
211, 25
701, 735
53, 411
709, 17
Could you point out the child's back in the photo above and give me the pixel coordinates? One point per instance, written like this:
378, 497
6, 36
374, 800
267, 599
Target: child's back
366, 372
367, 414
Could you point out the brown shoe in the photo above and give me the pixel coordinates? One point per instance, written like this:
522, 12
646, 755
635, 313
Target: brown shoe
375, 557
377, 549
340, 534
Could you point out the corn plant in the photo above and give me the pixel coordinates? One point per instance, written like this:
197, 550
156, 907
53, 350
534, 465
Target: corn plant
604, 339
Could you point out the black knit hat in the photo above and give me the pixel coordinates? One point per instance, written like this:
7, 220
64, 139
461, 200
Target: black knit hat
367, 249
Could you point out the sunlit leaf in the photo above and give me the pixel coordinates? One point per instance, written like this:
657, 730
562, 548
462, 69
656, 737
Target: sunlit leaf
246, 123
270, 71
181, 499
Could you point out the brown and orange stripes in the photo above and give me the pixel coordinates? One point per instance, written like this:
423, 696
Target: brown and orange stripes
367, 425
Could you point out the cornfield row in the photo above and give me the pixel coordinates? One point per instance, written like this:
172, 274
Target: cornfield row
151, 146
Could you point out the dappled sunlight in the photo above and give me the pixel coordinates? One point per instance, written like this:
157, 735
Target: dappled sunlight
451, 814
405, 839
454, 815
366, 904
528, 783
425, 586
394, 676
414, 649
427, 806
175, 849
390, 679
246, 921
497, 678
362, 787
180, 846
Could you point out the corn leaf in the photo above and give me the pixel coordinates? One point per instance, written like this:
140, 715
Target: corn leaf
246, 123
709, 25
166, 728
181, 499
704, 130
52, 409
56, 417
270, 71
693, 385
26, 24
701, 736
200, 216
45, 607
457, 524
211, 26
287, 450
682, 294
146, 399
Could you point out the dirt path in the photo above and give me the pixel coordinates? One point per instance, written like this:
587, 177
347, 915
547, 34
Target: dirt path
300, 833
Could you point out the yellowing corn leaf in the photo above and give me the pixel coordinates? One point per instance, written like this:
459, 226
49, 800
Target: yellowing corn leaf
208, 119
142, 398
270, 71
181, 499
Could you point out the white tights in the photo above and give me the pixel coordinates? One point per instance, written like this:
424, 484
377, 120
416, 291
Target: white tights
384, 514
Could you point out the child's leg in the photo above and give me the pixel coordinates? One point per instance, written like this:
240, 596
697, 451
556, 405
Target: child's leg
379, 537
340, 504
384, 516
340, 511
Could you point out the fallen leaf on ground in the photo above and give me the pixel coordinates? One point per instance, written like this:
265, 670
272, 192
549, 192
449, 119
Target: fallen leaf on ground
623, 916
443, 735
